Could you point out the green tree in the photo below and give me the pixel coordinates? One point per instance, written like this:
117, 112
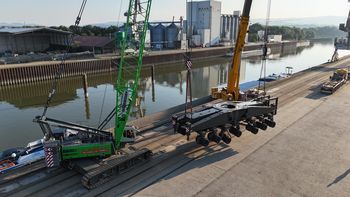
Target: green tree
291, 33
90, 30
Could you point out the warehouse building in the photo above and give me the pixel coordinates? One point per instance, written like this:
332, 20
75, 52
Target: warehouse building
26, 40
95, 44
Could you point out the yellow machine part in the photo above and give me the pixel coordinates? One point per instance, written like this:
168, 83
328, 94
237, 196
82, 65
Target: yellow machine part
342, 71
232, 90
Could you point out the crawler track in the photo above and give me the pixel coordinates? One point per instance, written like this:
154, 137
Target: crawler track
172, 151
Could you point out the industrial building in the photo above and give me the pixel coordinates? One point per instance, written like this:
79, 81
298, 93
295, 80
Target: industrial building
205, 26
25, 40
229, 27
158, 36
203, 22
166, 35
274, 38
147, 39
95, 44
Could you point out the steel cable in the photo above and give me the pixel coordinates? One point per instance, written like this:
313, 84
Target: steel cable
59, 70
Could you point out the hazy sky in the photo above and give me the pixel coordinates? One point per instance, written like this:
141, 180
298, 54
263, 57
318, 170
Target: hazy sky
56, 12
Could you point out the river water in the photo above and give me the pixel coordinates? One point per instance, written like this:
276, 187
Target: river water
20, 104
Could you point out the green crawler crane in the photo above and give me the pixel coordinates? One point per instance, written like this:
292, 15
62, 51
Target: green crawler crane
78, 146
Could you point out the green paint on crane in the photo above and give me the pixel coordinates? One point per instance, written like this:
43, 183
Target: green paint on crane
76, 151
126, 90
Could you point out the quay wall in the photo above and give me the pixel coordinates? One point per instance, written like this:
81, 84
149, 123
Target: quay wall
12, 74
33, 72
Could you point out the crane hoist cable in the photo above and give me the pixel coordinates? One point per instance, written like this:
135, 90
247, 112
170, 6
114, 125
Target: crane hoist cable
265, 49
59, 69
105, 122
103, 104
188, 101
188, 65
137, 10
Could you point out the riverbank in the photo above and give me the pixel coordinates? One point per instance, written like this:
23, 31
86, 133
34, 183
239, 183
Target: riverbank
38, 71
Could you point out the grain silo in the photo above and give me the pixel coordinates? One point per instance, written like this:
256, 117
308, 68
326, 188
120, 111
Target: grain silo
171, 35
158, 36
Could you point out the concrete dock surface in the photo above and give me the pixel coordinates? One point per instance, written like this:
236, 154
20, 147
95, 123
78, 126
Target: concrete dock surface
306, 154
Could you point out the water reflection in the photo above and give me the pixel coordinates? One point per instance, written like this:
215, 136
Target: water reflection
87, 109
202, 79
35, 94
19, 104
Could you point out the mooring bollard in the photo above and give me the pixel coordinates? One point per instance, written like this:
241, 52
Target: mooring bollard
85, 85
181, 81
87, 108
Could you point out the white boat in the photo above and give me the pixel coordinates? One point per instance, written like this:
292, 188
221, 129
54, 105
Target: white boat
274, 77
252, 53
269, 78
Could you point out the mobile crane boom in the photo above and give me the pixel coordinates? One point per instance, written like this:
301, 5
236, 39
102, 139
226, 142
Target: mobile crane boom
233, 74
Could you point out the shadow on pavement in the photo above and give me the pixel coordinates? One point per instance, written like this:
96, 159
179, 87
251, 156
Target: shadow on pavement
316, 93
210, 157
339, 178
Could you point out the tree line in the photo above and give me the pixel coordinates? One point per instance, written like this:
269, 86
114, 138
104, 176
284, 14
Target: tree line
295, 33
288, 33
89, 30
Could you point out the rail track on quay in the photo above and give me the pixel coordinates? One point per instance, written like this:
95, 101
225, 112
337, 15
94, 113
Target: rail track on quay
172, 153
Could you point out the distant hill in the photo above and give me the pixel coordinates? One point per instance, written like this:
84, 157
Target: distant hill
16, 24
297, 22
107, 24
305, 22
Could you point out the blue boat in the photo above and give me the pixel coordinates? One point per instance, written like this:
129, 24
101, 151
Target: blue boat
17, 157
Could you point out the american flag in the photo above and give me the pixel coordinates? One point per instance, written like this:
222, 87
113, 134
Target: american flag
189, 64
